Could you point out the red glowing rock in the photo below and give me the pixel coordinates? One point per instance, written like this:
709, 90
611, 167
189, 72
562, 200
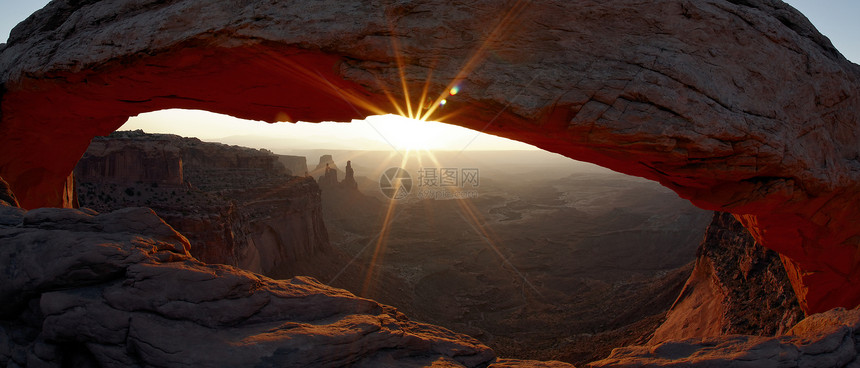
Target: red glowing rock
738, 106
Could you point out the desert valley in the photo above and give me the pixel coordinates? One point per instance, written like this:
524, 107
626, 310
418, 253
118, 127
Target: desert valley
497, 266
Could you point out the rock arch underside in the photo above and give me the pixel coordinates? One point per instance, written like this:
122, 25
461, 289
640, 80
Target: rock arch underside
738, 106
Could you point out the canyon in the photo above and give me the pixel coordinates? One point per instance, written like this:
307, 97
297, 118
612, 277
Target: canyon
737, 106
110, 298
122, 290
237, 206
225, 199
582, 278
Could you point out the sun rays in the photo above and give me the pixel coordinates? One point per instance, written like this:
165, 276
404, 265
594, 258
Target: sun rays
417, 101
382, 239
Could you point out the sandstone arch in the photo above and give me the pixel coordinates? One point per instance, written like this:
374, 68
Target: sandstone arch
736, 105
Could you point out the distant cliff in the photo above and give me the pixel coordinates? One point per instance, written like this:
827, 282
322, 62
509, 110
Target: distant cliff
236, 205
117, 161
737, 287
297, 165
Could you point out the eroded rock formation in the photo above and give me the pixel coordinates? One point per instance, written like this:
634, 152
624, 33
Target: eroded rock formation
296, 165
348, 181
329, 177
121, 290
736, 287
739, 106
6, 195
237, 205
824, 340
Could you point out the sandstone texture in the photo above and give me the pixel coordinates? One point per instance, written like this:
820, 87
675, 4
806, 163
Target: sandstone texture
829, 339
6, 195
736, 287
121, 290
236, 205
517, 363
123, 162
740, 106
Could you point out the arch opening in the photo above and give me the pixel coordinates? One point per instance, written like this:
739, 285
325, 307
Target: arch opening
535, 245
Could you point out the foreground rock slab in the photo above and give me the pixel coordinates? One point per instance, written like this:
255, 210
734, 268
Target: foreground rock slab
822, 340
120, 290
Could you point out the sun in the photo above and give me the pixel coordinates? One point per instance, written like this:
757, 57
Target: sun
403, 133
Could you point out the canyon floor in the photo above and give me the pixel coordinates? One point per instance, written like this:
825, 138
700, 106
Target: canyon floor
548, 258
544, 263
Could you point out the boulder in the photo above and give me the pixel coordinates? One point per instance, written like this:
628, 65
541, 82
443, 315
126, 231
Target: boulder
120, 289
822, 340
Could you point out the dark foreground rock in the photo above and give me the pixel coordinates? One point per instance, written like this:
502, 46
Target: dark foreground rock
120, 290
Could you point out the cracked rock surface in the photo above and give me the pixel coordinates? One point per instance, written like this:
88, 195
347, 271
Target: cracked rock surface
736, 287
829, 339
119, 289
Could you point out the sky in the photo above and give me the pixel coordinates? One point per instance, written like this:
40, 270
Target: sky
836, 19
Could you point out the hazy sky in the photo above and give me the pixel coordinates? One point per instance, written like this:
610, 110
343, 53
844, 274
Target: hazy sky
837, 19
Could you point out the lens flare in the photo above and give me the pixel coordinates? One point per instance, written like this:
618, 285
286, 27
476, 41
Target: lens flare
424, 110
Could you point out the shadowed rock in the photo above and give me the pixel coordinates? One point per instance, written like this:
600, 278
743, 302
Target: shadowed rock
236, 205
119, 289
296, 165
349, 182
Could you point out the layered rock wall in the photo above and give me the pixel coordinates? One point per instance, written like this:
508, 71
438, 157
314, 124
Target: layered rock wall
283, 229
236, 205
297, 165
122, 164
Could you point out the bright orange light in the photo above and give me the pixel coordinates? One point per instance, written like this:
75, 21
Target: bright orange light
411, 134
412, 138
